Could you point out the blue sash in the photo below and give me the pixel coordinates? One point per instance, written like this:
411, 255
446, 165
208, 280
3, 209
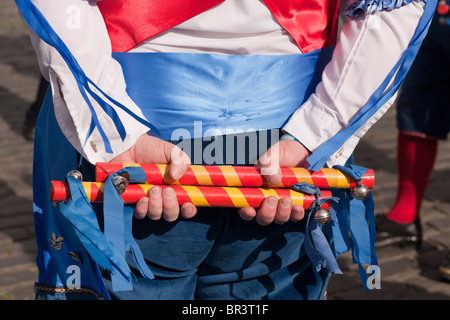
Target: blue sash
224, 93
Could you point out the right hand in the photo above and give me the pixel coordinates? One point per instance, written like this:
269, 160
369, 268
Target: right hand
159, 203
286, 153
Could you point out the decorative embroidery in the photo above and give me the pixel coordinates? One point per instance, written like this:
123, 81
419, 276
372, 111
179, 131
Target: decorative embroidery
50, 289
56, 242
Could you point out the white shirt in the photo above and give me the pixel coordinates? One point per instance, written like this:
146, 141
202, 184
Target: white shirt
369, 47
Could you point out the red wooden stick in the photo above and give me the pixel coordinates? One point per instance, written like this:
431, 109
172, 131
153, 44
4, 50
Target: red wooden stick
199, 195
239, 176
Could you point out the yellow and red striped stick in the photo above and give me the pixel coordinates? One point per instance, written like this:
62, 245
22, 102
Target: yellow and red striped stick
201, 196
239, 176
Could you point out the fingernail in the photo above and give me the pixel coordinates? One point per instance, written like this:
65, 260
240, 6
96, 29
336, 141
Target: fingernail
297, 213
187, 210
272, 202
155, 192
286, 203
169, 193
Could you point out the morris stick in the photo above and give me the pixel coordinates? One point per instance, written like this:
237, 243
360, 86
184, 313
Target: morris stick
239, 176
201, 196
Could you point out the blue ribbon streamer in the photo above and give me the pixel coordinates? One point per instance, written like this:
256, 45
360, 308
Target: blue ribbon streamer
79, 212
42, 28
366, 254
318, 159
349, 216
316, 244
118, 226
355, 172
359, 222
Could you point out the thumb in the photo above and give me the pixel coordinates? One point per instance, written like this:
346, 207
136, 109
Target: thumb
178, 160
269, 164
285, 153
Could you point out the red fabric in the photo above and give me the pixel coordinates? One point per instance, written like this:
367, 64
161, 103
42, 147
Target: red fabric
443, 9
312, 23
130, 22
415, 160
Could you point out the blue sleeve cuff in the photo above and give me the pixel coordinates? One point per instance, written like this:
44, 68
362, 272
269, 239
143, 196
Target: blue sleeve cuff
288, 136
372, 6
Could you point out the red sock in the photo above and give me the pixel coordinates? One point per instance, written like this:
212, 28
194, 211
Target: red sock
415, 160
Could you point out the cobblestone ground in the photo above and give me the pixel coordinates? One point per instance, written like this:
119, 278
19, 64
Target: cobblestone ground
19, 77
405, 273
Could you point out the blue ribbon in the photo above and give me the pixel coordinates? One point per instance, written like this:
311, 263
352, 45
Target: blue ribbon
43, 29
318, 159
79, 212
357, 219
316, 244
355, 172
349, 216
118, 226
108, 248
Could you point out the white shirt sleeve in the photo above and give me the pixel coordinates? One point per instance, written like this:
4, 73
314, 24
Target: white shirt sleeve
369, 47
81, 27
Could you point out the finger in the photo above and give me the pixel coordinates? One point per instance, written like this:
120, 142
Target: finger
266, 213
293, 154
188, 210
155, 206
179, 162
140, 211
283, 210
247, 213
297, 213
276, 177
171, 208
269, 163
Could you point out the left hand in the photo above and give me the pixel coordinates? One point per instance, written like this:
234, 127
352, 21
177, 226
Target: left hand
159, 203
285, 153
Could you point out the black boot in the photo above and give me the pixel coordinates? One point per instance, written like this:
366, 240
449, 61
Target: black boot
390, 233
444, 268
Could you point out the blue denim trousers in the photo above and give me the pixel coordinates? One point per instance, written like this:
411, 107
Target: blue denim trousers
217, 255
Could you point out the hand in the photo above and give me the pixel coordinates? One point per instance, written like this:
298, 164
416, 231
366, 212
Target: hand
285, 153
159, 203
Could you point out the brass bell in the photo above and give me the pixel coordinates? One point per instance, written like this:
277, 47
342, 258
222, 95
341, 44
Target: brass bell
360, 192
76, 174
322, 216
120, 183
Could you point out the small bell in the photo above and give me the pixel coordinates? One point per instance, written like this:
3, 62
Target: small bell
120, 183
76, 174
322, 216
360, 192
